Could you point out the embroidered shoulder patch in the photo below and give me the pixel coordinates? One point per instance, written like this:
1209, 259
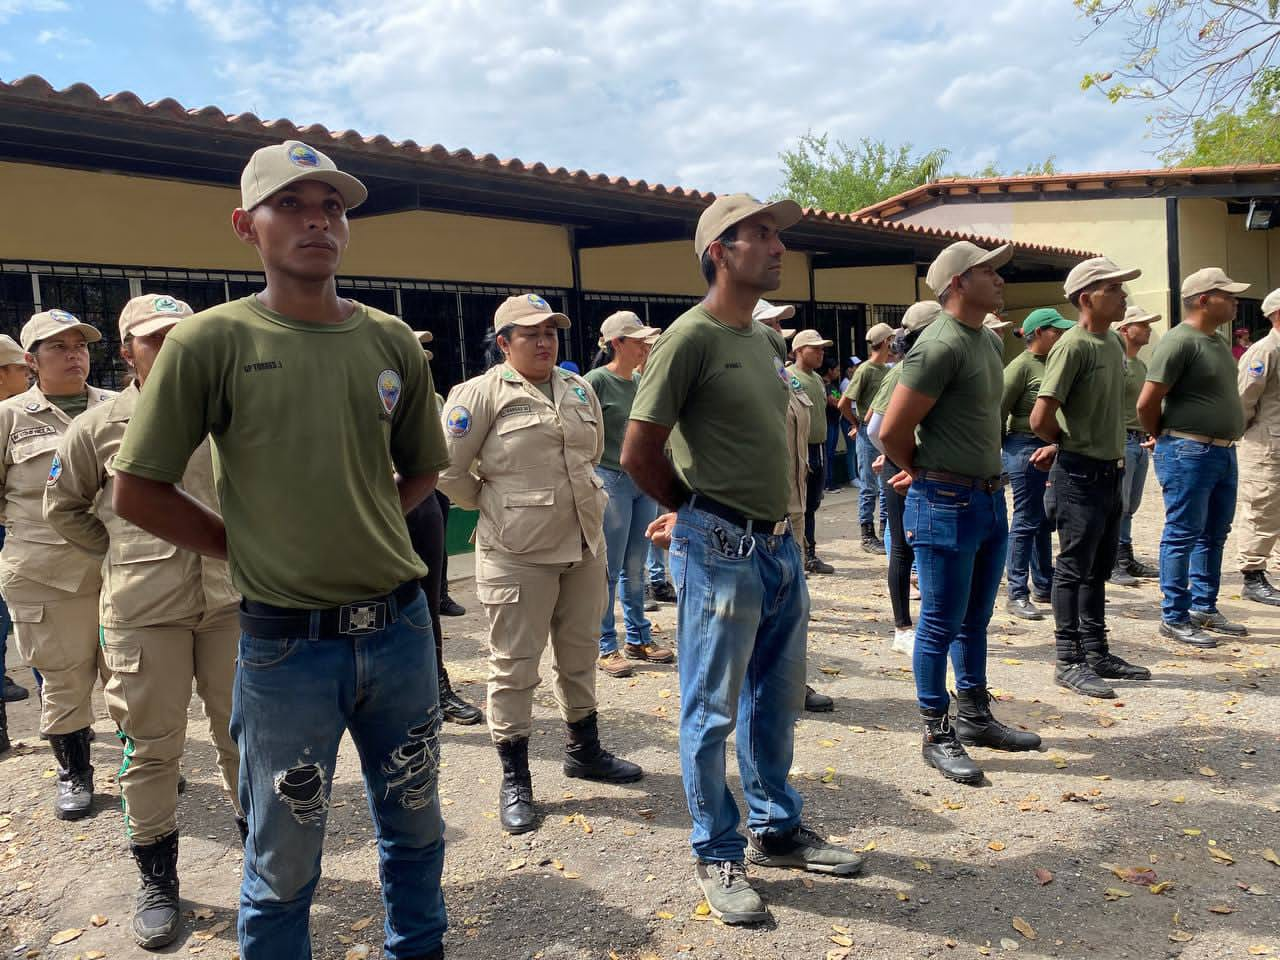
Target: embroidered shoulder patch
580, 393
55, 470
389, 386
458, 421
1256, 369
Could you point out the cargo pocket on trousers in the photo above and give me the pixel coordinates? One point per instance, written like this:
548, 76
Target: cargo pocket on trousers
122, 655
23, 614
496, 594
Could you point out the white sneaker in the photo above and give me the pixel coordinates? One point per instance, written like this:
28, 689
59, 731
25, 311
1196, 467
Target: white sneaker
904, 640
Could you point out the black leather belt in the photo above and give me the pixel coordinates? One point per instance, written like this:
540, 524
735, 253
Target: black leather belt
355, 619
700, 501
985, 484
1079, 461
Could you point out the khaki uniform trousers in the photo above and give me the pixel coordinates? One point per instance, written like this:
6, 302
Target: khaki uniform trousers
57, 634
1259, 514
148, 695
524, 602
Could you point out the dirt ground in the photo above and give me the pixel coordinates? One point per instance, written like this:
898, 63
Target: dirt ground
1178, 776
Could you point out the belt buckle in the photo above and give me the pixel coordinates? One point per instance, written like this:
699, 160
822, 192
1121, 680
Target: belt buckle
780, 528
357, 619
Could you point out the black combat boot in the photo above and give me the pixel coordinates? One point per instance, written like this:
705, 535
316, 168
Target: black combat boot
1121, 577
977, 727
515, 797
870, 542
4, 728
1135, 566
1259, 589
158, 914
75, 774
943, 752
453, 708
586, 759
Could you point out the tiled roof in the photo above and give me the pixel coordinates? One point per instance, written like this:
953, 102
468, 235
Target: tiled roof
83, 98
1064, 183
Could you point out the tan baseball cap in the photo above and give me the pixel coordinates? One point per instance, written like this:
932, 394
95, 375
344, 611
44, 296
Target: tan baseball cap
149, 313
1271, 303
625, 323
1095, 270
809, 338
1208, 280
1136, 314
878, 334
961, 256
764, 310
733, 208
10, 352
920, 315
995, 324
527, 310
275, 167
50, 323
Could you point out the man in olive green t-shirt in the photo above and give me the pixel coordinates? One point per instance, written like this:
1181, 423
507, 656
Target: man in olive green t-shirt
716, 384
809, 347
1135, 331
855, 406
1080, 408
325, 431
1191, 406
942, 430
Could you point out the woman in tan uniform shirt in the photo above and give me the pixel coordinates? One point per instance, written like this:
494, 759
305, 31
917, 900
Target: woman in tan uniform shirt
524, 439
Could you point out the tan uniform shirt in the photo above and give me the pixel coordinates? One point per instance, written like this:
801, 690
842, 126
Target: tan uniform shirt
1258, 379
30, 429
146, 581
528, 463
799, 412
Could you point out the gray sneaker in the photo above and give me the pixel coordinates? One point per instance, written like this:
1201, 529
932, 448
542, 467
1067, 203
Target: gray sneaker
1215, 622
803, 850
729, 895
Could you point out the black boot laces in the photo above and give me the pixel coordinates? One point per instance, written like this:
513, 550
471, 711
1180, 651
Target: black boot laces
731, 871
941, 734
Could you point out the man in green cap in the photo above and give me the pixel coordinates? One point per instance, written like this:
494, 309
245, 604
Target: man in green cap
1080, 409
1027, 460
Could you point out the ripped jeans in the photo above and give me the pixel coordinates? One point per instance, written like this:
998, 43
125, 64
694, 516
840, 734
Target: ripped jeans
293, 700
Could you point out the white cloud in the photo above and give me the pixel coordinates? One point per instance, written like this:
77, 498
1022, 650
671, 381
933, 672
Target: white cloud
704, 95
11, 8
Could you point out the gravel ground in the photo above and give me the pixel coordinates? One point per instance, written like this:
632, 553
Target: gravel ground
1178, 776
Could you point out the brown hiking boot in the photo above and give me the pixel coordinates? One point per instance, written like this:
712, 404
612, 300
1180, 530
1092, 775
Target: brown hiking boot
649, 652
614, 665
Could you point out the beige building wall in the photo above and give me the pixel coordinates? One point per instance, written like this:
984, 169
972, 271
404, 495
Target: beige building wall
670, 268
888, 286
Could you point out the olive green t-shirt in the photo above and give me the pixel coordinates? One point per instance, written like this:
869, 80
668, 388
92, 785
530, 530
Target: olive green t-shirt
884, 393
1201, 376
1135, 375
1084, 372
817, 391
961, 368
724, 392
1021, 386
73, 405
309, 423
864, 385
616, 397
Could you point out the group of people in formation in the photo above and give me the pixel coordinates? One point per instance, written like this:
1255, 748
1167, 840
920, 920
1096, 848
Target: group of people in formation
138, 557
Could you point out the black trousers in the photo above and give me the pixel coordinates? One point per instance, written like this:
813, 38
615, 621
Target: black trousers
426, 533
815, 485
901, 553
1083, 501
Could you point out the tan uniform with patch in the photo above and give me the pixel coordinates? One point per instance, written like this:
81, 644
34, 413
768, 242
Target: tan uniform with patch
168, 616
799, 410
1259, 454
50, 586
528, 464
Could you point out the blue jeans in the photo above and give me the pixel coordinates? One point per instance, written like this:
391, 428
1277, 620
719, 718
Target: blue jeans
626, 516
655, 566
743, 614
293, 700
1199, 485
960, 535
1136, 462
869, 481
1030, 533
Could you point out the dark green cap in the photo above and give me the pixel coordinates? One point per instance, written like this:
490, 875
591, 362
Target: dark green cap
1045, 317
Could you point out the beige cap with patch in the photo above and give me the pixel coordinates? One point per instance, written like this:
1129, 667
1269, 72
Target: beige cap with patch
920, 315
10, 352
1095, 270
1271, 303
273, 168
733, 208
1136, 314
960, 257
1208, 280
527, 310
50, 323
809, 338
878, 334
149, 313
625, 324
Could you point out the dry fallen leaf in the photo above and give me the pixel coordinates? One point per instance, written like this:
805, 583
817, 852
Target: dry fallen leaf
1181, 936
922, 866
837, 953
836, 928
361, 924
217, 928
1043, 876
1024, 928
93, 955
841, 940
830, 671
871, 845
1207, 772
1192, 832
1160, 887
97, 920
1223, 908
702, 910
1006, 943
1260, 950
515, 864
1221, 855
1115, 893
996, 845
1142, 876
358, 952
664, 915
902, 896
65, 936
1269, 855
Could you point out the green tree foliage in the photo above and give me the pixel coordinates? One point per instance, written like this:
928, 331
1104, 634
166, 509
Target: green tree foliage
1251, 135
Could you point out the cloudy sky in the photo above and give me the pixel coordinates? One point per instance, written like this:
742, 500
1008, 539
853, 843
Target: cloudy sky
703, 93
